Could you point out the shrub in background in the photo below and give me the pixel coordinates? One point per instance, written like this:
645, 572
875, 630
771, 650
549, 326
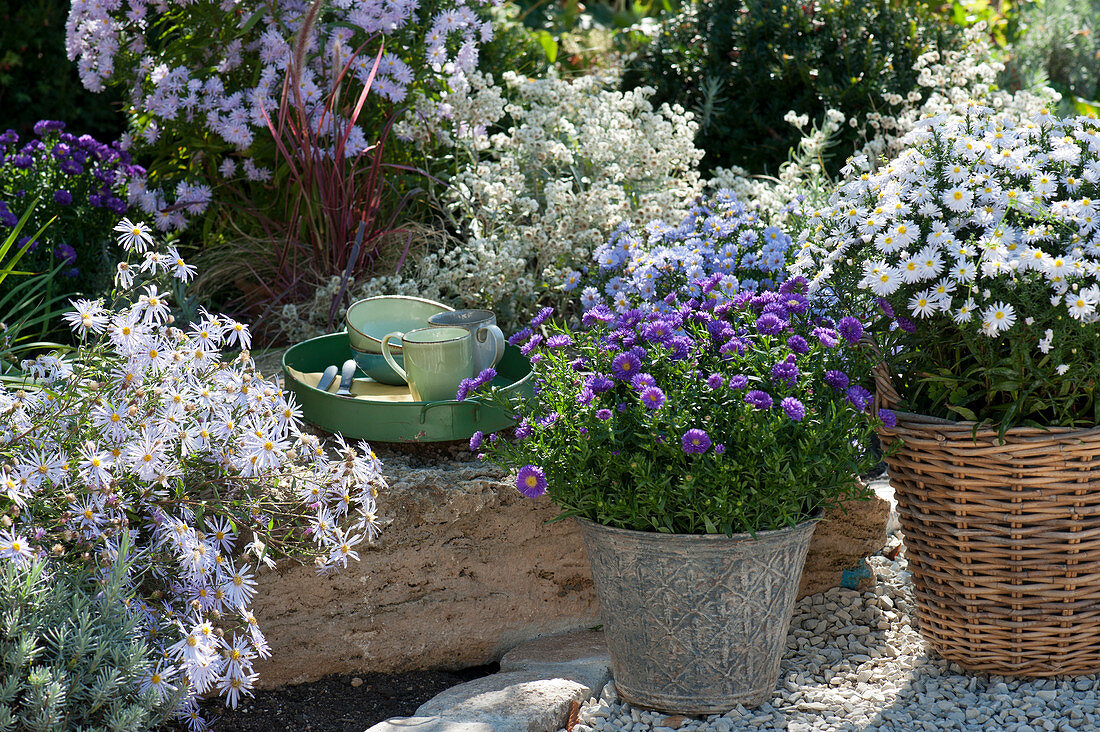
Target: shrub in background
574, 159
80, 184
1060, 46
743, 64
330, 196
719, 237
72, 656
38, 82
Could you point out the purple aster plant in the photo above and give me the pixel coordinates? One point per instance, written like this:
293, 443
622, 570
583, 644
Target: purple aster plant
851, 329
702, 388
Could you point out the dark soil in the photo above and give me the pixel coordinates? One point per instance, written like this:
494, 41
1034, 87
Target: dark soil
336, 703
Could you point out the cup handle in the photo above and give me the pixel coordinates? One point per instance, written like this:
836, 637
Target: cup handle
494, 334
389, 358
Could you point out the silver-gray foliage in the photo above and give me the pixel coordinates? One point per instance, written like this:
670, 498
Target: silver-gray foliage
71, 656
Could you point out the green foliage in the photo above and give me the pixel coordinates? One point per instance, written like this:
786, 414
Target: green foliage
71, 656
1059, 46
25, 309
1002, 18
513, 47
578, 36
743, 64
38, 82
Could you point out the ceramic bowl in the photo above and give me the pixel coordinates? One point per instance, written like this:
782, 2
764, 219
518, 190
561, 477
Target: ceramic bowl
371, 319
374, 365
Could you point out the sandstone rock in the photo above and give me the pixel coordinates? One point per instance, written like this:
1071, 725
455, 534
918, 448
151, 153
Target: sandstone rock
579, 646
846, 535
466, 570
512, 701
580, 656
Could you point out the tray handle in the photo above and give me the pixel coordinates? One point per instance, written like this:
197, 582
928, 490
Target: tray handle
449, 403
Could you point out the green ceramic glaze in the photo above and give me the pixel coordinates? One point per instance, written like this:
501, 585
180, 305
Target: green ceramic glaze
375, 366
436, 361
368, 320
396, 421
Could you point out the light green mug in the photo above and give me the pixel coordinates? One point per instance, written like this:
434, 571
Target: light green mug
436, 361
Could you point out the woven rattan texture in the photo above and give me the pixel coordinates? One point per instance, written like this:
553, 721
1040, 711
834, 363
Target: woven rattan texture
1003, 542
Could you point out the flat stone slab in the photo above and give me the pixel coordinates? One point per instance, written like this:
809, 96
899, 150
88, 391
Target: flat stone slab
578, 647
511, 701
538, 682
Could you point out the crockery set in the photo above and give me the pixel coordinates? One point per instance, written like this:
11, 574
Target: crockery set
430, 347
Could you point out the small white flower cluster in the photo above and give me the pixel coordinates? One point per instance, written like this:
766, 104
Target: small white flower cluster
145, 431
979, 219
229, 91
577, 160
950, 78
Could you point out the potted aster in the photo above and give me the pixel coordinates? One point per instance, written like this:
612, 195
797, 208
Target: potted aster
977, 250
696, 444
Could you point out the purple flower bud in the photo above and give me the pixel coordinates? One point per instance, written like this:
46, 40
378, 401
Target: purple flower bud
559, 341
603, 414
542, 317
739, 381
858, 397
786, 373
531, 345
464, 387
827, 337
484, 378
715, 381
475, 441
62, 197
837, 379
516, 338
906, 324
798, 344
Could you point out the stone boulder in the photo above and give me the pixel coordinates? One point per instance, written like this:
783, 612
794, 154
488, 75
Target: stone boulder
466, 569
847, 534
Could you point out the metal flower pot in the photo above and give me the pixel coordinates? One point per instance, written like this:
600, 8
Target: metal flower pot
696, 624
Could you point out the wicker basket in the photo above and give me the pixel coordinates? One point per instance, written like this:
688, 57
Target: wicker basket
1003, 541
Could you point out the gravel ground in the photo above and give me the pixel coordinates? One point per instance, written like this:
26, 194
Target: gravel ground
854, 662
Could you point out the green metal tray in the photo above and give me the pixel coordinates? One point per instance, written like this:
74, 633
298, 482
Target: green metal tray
383, 421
